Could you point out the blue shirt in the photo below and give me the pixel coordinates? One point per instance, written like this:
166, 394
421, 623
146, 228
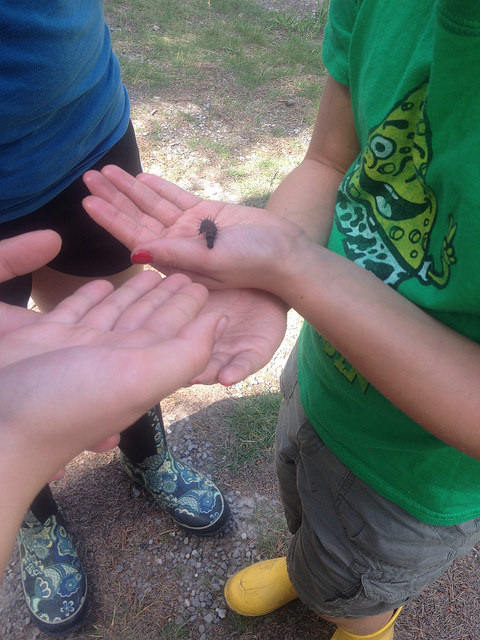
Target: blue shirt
62, 104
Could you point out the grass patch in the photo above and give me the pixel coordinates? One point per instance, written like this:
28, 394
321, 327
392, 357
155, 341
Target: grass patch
223, 92
309, 24
174, 632
252, 426
271, 541
170, 40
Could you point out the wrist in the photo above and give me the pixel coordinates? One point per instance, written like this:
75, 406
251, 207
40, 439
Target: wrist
296, 269
25, 468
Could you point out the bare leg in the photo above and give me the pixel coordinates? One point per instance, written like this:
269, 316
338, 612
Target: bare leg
50, 287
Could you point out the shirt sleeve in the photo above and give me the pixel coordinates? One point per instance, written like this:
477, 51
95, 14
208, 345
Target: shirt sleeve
336, 42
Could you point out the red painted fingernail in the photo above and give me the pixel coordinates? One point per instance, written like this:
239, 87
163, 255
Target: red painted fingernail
142, 257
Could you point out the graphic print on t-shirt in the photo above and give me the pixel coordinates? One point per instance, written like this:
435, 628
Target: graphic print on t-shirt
385, 206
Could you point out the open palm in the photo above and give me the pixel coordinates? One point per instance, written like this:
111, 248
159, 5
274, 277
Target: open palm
107, 350
138, 215
154, 217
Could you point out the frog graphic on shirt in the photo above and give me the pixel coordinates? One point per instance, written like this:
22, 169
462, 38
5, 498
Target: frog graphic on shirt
386, 209
385, 206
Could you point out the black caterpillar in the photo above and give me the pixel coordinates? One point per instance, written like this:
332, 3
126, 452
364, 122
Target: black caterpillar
210, 229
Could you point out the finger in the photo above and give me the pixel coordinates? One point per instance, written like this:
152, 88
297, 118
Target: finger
115, 211
178, 310
174, 194
108, 312
210, 374
192, 349
237, 370
186, 255
27, 252
99, 185
228, 369
146, 198
166, 308
126, 227
75, 307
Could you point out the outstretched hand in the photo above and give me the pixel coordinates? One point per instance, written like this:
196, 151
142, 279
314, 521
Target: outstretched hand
92, 366
146, 311
256, 327
144, 211
160, 223
76, 376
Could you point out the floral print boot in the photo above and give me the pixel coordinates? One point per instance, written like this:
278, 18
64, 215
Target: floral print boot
54, 582
189, 497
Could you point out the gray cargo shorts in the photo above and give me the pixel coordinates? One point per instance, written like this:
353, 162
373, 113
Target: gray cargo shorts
353, 553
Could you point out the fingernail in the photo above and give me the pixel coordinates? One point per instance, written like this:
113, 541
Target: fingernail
142, 257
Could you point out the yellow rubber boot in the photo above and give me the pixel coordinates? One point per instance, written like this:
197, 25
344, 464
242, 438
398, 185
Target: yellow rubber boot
385, 633
260, 588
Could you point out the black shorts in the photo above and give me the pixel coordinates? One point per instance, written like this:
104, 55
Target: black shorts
87, 249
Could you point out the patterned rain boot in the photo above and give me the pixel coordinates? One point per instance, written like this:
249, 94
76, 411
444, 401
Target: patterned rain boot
190, 498
54, 583
385, 633
260, 588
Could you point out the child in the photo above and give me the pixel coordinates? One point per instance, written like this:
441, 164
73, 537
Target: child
373, 239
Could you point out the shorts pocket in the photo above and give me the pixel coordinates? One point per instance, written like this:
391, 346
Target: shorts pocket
370, 596
377, 591
386, 534
393, 593
467, 535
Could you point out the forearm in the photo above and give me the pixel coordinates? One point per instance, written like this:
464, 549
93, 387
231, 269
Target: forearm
9, 525
427, 370
17, 490
307, 197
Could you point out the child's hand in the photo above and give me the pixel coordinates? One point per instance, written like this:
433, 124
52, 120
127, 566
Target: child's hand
97, 362
161, 223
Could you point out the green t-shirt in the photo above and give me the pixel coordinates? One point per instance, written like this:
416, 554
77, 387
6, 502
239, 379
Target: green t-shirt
408, 210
